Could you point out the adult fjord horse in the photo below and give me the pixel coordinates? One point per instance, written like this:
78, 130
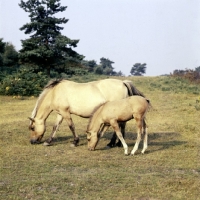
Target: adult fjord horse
68, 97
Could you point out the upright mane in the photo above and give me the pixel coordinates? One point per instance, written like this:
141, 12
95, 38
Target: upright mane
42, 95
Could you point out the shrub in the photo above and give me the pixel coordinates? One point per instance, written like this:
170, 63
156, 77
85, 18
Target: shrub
24, 82
191, 75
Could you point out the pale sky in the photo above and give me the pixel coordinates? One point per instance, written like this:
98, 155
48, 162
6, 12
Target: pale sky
164, 34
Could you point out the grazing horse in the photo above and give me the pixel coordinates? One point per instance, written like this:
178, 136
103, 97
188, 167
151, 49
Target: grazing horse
110, 113
68, 97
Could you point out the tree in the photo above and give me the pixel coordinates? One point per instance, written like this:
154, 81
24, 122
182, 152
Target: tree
91, 64
99, 70
120, 73
197, 69
46, 47
2, 49
10, 56
138, 69
106, 66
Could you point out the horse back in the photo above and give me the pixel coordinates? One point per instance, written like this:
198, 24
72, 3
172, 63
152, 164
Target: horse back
124, 109
112, 89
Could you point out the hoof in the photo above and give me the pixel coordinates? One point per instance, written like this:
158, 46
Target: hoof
47, 144
91, 148
72, 145
110, 145
107, 147
119, 144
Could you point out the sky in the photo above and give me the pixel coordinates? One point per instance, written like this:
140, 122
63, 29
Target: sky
164, 34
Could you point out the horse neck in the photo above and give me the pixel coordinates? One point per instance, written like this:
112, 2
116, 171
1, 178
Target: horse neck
95, 120
43, 106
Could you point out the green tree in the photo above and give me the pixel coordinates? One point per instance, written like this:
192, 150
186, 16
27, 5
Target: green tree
98, 70
106, 66
91, 65
46, 47
197, 69
2, 49
10, 55
120, 73
138, 69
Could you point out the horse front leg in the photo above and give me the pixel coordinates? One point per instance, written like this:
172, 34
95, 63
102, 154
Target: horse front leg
112, 142
115, 126
122, 126
72, 128
55, 128
76, 137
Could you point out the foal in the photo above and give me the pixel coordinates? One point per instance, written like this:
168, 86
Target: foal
110, 113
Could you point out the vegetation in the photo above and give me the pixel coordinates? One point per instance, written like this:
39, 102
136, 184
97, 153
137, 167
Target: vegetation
46, 47
191, 75
46, 54
168, 170
138, 69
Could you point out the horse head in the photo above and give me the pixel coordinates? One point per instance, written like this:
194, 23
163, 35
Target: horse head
37, 130
93, 139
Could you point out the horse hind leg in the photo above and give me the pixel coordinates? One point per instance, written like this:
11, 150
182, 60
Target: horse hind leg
59, 120
139, 133
145, 142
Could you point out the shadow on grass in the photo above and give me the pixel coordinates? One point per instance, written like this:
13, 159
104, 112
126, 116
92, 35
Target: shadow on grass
159, 141
156, 141
67, 139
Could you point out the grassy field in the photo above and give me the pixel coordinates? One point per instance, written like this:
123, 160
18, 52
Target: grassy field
170, 169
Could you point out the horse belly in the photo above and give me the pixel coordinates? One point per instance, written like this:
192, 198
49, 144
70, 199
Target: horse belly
83, 105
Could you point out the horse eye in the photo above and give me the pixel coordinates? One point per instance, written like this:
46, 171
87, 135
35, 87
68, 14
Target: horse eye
32, 128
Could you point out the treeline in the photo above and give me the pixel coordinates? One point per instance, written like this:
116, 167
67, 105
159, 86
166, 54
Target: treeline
45, 54
48, 54
189, 74
10, 62
26, 79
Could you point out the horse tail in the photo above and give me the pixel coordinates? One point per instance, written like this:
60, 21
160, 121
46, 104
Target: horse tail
150, 107
132, 90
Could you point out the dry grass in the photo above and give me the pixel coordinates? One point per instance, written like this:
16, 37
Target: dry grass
169, 170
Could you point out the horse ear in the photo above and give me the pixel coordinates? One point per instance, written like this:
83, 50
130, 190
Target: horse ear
31, 119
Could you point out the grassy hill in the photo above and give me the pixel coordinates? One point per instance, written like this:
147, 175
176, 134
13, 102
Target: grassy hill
169, 169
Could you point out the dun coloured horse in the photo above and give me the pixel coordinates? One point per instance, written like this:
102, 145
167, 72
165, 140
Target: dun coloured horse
68, 97
110, 113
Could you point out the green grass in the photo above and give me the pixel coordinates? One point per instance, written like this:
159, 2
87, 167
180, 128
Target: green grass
169, 169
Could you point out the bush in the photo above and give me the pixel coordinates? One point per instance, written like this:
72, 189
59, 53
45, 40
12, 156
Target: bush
24, 82
192, 75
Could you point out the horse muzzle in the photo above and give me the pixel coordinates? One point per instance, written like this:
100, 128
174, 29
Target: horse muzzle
34, 141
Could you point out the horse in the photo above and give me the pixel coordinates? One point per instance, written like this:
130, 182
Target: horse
67, 97
110, 113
